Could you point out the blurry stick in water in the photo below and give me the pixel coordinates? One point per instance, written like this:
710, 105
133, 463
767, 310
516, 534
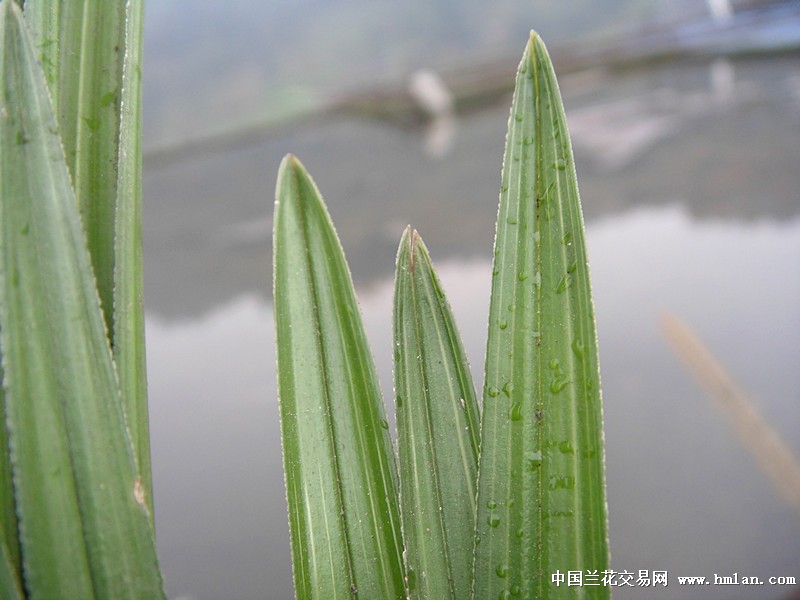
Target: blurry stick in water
773, 455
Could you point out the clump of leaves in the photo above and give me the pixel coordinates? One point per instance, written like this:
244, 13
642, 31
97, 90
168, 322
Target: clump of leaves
485, 505
75, 518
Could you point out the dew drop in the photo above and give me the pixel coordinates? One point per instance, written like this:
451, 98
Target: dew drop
563, 284
519, 533
578, 347
508, 388
502, 570
504, 188
567, 238
537, 278
518, 117
512, 307
493, 392
558, 385
493, 520
560, 164
522, 276
572, 267
554, 363
532, 461
384, 424
516, 411
564, 483
503, 324
566, 448
491, 505
515, 590
504, 595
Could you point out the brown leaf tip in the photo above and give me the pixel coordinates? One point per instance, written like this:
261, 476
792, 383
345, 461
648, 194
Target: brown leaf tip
414, 243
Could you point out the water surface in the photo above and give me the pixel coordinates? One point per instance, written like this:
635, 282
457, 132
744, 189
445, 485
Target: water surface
689, 181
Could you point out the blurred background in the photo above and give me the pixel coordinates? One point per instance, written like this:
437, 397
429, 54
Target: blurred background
685, 120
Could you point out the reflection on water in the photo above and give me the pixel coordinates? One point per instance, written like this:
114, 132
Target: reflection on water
683, 495
696, 213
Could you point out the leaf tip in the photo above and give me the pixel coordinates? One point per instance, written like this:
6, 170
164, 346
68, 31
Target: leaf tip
289, 164
290, 171
404, 248
537, 50
414, 241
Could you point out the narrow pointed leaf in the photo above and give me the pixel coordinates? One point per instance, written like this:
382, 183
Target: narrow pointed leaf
128, 333
338, 458
541, 491
437, 429
81, 45
83, 524
95, 83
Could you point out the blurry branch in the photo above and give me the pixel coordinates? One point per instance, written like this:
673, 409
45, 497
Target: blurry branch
474, 86
773, 456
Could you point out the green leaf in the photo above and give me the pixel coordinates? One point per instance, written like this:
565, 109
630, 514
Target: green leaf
128, 332
83, 524
541, 491
437, 428
95, 82
81, 45
338, 458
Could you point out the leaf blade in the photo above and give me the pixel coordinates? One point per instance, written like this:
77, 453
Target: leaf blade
338, 460
95, 84
81, 44
541, 503
437, 427
128, 328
